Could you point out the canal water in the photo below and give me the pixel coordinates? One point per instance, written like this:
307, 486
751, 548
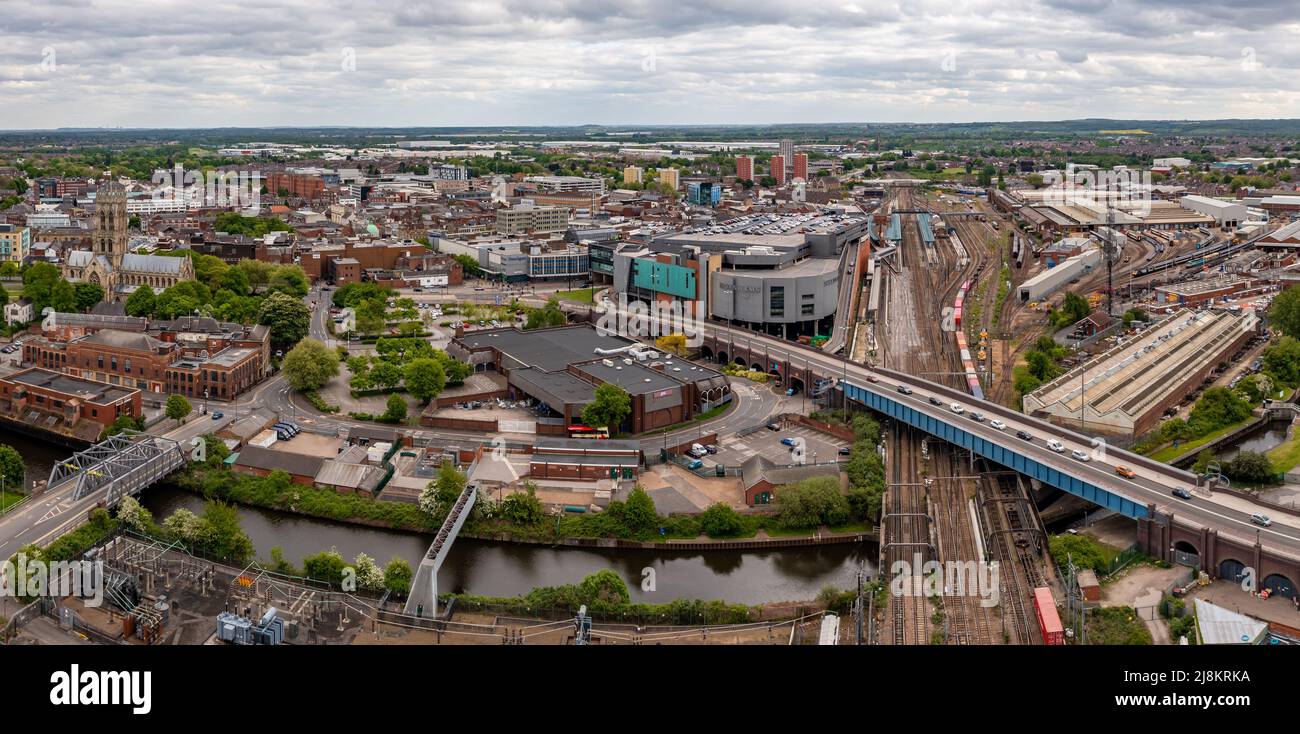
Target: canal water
1261, 440
510, 569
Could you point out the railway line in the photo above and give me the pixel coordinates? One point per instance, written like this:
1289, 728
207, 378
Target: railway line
967, 620
907, 538
1017, 542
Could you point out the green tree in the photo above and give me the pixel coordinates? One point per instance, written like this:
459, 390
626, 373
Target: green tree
309, 365
610, 406
522, 508
1284, 313
1282, 360
397, 577
1251, 467
63, 297
12, 468
177, 407
425, 379
385, 375
327, 566
140, 302
811, 502
440, 494
38, 284
288, 318
396, 409
604, 586
87, 295
639, 513
720, 521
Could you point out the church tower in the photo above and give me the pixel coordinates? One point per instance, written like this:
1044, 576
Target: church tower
110, 238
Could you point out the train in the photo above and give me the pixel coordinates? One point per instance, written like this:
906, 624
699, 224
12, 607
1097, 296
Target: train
967, 364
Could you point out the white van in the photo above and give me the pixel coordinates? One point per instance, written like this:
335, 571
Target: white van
1056, 446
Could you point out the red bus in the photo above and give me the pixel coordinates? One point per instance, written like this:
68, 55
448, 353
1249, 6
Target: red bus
580, 431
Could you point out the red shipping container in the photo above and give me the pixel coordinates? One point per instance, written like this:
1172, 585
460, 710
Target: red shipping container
1049, 622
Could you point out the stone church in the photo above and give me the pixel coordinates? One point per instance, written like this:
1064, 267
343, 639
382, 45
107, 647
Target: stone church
110, 265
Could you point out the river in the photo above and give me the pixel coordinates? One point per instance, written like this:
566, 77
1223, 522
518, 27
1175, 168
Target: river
1266, 437
509, 569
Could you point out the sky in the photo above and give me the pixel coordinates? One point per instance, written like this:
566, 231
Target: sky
249, 63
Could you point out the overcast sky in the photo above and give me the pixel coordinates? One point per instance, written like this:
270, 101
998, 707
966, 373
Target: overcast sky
146, 63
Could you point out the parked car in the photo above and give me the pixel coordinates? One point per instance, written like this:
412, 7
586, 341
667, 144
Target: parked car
698, 451
787, 441
1181, 493
1080, 455
773, 426
1024, 436
1056, 446
844, 451
711, 448
1259, 519
1125, 472
998, 424
694, 463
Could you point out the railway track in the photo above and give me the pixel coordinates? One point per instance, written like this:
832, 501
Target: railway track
968, 622
1016, 543
907, 536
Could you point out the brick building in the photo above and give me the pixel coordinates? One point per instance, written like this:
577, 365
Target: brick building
60, 403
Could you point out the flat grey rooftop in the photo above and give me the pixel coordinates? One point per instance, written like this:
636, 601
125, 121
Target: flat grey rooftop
547, 349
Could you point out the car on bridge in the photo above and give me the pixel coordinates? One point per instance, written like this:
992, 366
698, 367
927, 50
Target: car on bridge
1126, 472
1025, 436
1056, 446
1080, 455
905, 389
935, 401
1262, 520
998, 424
976, 416
871, 377
1181, 493
956, 408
